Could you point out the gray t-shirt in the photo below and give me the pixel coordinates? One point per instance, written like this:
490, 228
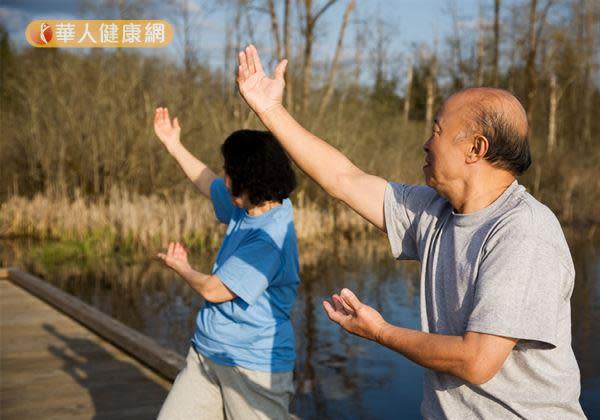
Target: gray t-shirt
503, 270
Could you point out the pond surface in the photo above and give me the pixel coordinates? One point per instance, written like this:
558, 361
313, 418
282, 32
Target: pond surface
337, 375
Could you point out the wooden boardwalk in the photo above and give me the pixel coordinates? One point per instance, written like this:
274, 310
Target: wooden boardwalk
52, 367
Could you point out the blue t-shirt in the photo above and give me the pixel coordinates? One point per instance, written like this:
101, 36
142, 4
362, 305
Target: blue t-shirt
258, 261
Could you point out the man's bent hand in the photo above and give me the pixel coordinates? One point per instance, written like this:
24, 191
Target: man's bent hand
474, 357
354, 316
260, 92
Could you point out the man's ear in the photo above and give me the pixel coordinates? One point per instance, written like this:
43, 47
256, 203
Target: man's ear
478, 148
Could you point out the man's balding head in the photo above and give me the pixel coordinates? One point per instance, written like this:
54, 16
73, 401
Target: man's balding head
498, 116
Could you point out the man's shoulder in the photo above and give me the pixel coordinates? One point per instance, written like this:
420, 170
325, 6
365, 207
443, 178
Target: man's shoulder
530, 216
528, 220
416, 198
399, 189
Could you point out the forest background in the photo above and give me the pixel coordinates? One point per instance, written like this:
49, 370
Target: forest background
79, 161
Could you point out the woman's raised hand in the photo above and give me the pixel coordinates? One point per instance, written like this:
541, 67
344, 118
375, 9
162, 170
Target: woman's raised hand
168, 132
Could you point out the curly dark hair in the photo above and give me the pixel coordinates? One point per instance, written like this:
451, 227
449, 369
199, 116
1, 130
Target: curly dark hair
257, 166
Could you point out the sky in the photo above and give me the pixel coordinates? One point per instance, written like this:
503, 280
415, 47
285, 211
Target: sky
406, 22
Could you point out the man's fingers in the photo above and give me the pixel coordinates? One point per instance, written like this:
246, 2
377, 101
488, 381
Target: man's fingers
338, 303
171, 249
347, 308
280, 70
244, 71
331, 313
176, 123
250, 59
240, 77
256, 58
351, 299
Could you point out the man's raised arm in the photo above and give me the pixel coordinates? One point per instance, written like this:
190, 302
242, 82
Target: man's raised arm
327, 166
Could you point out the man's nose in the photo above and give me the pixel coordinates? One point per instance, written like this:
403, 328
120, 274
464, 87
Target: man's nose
426, 145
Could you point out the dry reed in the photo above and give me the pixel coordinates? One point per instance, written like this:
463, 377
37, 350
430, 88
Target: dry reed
147, 222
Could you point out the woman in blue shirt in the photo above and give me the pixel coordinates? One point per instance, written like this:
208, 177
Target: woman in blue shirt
242, 352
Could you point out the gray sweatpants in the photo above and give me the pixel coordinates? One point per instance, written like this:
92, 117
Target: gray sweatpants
206, 390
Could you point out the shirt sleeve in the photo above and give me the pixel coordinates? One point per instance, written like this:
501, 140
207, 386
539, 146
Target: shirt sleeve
251, 269
221, 199
403, 206
520, 286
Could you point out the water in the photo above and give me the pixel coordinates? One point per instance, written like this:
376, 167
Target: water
337, 375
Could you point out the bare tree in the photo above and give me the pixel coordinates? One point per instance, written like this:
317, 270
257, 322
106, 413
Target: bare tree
457, 67
275, 29
588, 57
430, 82
496, 50
289, 98
409, 82
536, 26
530, 65
480, 46
330, 83
552, 114
359, 46
311, 17
380, 50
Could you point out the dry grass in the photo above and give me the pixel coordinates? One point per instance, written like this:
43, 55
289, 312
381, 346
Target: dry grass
146, 222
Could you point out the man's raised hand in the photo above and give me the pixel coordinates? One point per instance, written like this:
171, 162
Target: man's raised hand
259, 91
167, 132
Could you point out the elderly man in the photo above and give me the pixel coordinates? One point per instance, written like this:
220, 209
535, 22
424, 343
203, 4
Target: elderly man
496, 271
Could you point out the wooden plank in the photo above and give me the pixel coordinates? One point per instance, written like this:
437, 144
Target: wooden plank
4, 274
52, 367
165, 362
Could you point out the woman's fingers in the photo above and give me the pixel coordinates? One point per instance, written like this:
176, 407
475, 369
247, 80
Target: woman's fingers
158, 117
244, 70
167, 119
179, 250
